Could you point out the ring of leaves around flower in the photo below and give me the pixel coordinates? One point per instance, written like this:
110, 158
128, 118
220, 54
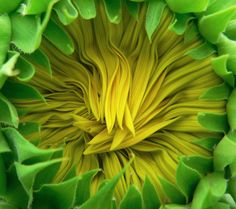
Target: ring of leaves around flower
25, 170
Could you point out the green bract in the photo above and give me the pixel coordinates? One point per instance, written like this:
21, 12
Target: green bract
26, 172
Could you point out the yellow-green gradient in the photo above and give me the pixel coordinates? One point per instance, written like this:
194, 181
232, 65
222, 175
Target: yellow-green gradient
120, 95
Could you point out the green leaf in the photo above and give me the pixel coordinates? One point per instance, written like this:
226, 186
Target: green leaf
209, 190
228, 47
219, 5
47, 176
33, 7
21, 91
220, 92
187, 6
214, 122
59, 37
231, 30
231, 110
172, 192
191, 32
87, 9
232, 167
60, 195
83, 189
113, 10
150, 197
207, 24
3, 144
208, 143
228, 199
27, 174
66, 11
5, 34
28, 129
5, 205
8, 68
201, 52
201, 164
224, 153
9, 6
137, 0
132, 199
23, 149
232, 188
114, 204
3, 177
184, 174
8, 113
39, 58
103, 198
153, 16
133, 8
181, 22
174, 206
15, 194
26, 32
26, 70
220, 205
219, 65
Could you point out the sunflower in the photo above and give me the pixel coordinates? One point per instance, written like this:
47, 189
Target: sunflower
124, 104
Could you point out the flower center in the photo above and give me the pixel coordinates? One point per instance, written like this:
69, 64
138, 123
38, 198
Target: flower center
120, 95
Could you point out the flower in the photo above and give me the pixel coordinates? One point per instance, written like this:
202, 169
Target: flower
120, 95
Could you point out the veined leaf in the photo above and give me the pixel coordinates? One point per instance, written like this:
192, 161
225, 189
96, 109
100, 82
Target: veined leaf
207, 24
208, 143
5, 34
113, 10
9, 6
219, 92
133, 8
105, 194
8, 113
26, 70
3, 144
26, 32
33, 7
201, 52
21, 91
210, 189
172, 192
87, 9
23, 149
132, 199
59, 37
174, 206
3, 177
28, 173
40, 58
66, 11
181, 22
187, 6
184, 174
214, 122
150, 197
5, 205
83, 189
8, 68
224, 153
154, 14
220, 67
